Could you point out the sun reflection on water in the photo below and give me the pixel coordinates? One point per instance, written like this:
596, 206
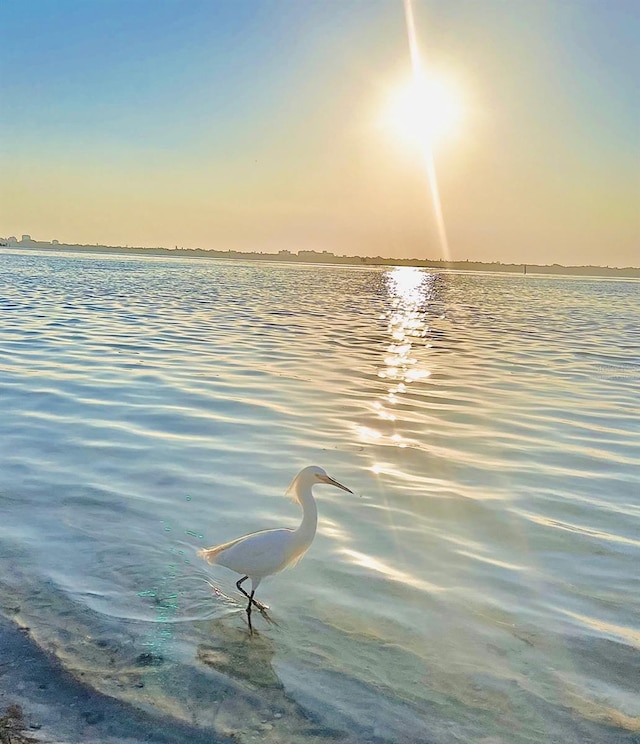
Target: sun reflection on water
391, 573
409, 291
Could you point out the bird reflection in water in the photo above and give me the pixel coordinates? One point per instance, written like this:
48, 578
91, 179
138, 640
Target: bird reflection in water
228, 652
258, 700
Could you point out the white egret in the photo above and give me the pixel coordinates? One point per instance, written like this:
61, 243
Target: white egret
267, 552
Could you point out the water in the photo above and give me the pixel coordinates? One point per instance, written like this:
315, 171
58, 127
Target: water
482, 584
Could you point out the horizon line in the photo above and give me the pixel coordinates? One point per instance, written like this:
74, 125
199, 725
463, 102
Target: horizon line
286, 254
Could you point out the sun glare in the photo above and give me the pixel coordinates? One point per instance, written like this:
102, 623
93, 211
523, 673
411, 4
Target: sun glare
425, 112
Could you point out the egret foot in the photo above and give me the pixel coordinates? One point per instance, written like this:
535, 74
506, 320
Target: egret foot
261, 608
254, 602
266, 615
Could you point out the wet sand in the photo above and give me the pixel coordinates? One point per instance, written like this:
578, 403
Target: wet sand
59, 709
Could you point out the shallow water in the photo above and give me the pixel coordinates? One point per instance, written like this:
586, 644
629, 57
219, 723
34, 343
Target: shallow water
482, 584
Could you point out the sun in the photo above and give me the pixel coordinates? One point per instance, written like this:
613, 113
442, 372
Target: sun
425, 111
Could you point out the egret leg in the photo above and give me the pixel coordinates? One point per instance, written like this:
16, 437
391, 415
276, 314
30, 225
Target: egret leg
254, 602
249, 613
261, 607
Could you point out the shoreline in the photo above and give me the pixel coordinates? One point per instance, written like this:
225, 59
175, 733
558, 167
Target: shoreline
315, 257
56, 708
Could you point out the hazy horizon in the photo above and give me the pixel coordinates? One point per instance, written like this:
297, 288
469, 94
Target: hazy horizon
293, 253
261, 126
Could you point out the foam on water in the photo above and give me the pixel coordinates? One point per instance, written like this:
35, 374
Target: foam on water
481, 586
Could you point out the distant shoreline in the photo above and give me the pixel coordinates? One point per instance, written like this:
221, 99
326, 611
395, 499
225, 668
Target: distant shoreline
325, 257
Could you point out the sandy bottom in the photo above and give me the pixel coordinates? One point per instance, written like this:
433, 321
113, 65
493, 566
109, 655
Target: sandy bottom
59, 709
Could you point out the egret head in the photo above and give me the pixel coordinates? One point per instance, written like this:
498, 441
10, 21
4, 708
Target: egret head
313, 474
322, 477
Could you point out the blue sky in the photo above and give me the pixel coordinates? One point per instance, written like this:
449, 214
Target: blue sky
256, 126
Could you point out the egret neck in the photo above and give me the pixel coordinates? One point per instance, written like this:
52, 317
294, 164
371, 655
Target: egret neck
303, 536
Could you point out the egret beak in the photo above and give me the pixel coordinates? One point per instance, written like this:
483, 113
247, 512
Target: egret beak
331, 482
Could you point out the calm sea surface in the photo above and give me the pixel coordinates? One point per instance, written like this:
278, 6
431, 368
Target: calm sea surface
482, 583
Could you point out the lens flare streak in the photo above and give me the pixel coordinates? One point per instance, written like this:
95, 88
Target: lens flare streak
427, 151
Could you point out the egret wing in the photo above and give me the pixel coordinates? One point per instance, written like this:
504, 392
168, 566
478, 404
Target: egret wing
258, 554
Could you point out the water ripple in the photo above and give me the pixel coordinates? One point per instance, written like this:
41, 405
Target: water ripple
480, 585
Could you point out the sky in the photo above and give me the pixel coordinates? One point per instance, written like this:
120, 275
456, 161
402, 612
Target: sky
264, 125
